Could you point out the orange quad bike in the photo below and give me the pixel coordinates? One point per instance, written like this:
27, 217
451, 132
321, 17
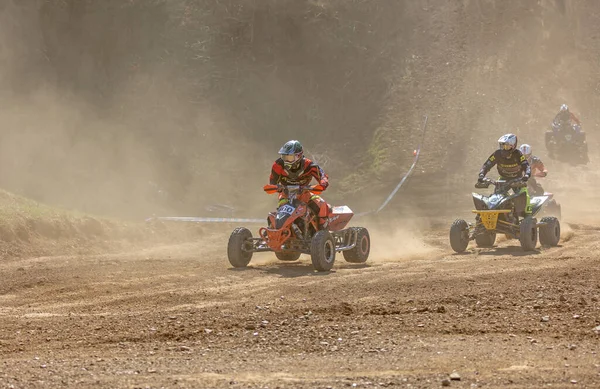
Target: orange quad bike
294, 230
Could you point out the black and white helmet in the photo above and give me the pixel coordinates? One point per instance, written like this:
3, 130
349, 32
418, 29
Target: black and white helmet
525, 150
508, 143
291, 153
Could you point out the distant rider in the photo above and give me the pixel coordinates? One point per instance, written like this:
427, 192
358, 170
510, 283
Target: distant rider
510, 163
565, 120
292, 168
537, 170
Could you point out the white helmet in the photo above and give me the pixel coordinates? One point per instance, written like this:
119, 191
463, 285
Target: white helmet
525, 150
508, 143
564, 115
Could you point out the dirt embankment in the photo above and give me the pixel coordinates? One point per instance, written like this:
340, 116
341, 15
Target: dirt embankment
30, 229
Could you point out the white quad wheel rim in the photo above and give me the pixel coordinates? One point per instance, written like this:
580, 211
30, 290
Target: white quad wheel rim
364, 245
329, 251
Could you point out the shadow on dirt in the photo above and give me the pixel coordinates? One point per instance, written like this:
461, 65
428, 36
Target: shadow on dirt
296, 269
515, 251
287, 270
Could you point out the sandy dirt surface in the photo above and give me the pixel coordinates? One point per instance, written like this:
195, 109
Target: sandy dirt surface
180, 317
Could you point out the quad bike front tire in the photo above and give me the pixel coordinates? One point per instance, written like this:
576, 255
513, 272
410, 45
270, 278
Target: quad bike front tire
235, 252
528, 235
287, 256
322, 250
459, 235
360, 252
486, 239
550, 231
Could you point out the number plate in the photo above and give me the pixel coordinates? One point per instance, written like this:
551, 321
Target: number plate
287, 209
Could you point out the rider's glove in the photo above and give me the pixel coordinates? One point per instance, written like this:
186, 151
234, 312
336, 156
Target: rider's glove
525, 178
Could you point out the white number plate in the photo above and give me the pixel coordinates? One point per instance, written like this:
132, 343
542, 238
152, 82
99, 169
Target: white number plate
287, 209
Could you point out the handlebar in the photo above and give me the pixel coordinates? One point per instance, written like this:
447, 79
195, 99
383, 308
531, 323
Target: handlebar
270, 189
514, 183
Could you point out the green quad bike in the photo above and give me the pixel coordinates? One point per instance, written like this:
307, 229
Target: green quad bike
504, 213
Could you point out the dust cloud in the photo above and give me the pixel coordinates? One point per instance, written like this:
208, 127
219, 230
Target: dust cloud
169, 107
400, 239
86, 125
399, 244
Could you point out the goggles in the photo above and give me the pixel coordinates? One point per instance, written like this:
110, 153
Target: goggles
290, 158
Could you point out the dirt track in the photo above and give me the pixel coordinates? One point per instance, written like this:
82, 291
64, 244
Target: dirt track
179, 316
129, 109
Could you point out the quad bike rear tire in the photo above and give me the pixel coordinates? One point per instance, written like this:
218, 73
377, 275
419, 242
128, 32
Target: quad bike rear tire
528, 233
550, 232
287, 256
360, 252
235, 253
459, 235
554, 209
322, 250
486, 239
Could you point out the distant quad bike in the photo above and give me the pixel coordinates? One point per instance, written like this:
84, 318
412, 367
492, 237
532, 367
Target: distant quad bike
567, 145
294, 229
504, 213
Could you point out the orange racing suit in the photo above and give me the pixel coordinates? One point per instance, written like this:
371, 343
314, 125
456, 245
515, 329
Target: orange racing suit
537, 170
303, 175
